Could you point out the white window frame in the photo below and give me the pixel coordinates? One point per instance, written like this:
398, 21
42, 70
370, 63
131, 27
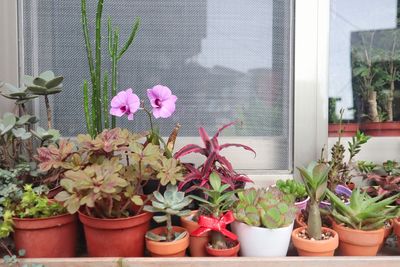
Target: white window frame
310, 80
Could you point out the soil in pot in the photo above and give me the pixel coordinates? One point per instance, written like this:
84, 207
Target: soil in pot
354, 242
168, 249
309, 247
123, 237
53, 237
197, 243
231, 251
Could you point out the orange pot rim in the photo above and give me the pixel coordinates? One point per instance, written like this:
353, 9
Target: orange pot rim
345, 228
42, 223
181, 243
116, 223
326, 242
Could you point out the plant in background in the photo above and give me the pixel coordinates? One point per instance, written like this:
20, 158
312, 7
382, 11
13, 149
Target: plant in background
96, 113
214, 162
171, 203
97, 180
315, 178
364, 212
341, 170
268, 208
292, 187
218, 203
45, 84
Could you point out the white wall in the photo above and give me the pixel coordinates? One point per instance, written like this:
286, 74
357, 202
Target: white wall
8, 48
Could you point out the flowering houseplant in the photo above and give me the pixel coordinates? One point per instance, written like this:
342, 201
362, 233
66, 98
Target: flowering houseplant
215, 162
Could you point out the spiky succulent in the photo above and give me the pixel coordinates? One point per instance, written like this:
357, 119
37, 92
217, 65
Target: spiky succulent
364, 212
315, 178
269, 208
171, 203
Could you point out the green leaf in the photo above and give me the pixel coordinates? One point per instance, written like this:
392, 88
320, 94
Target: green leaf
215, 181
39, 82
54, 82
160, 219
47, 75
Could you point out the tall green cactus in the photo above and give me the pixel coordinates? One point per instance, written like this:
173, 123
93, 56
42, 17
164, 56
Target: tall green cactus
96, 114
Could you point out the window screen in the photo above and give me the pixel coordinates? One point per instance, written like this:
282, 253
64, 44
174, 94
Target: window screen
224, 59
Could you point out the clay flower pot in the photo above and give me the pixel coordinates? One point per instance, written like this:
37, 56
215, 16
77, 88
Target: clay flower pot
299, 221
388, 231
389, 128
197, 243
396, 230
358, 242
123, 237
229, 252
321, 248
348, 129
52, 237
168, 249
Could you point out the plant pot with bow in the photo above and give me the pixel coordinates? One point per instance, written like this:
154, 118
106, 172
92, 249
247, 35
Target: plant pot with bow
219, 204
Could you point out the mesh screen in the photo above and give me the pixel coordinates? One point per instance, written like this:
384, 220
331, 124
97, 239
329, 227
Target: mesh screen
224, 59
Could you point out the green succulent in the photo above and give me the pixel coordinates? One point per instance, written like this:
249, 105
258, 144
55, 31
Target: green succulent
20, 94
315, 178
269, 208
364, 212
292, 187
45, 84
171, 203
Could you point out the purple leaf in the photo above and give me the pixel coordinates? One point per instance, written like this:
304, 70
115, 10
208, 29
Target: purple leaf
209, 163
224, 127
238, 145
191, 148
225, 162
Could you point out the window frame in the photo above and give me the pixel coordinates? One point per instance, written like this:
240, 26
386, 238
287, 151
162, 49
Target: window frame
310, 80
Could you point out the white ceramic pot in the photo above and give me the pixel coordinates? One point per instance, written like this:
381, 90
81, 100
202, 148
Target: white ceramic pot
262, 242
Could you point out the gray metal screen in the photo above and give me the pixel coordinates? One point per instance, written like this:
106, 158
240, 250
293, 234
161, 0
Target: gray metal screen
224, 59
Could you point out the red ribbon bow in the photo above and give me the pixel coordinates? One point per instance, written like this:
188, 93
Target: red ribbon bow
213, 224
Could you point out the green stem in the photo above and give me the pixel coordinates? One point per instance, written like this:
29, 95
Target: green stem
170, 230
114, 61
131, 38
314, 221
150, 118
105, 100
86, 108
97, 92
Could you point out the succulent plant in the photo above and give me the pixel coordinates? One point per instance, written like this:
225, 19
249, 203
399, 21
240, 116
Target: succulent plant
215, 162
269, 208
20, 94
171, 203
342, 171
293, 187
45, 84
315, 178
364, 212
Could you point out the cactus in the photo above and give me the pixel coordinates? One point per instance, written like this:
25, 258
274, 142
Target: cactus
45, 84
269, 208
97, 115
170, 204
315, 178
364, 212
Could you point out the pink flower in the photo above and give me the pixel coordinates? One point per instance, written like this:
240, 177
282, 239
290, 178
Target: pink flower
125, 102
162, 101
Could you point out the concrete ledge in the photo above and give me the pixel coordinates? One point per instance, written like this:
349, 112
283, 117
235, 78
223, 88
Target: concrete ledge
387, 261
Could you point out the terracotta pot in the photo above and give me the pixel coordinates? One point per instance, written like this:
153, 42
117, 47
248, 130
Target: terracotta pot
348, 129
52, 237
168, 249
396, 230
391, 128
299, 221
321, 248
230, 252
123, 237
388, 231
197, 243
358, 242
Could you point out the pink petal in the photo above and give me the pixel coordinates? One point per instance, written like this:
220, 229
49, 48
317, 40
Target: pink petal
119, 100
130, 116
133, 102
161, 92
116, 112
156, 113
164, 112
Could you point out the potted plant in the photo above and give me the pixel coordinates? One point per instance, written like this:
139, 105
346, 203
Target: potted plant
169, 240
41, 227
215, 162
297, 189
218, 203
360, 225
313, 239
264, 222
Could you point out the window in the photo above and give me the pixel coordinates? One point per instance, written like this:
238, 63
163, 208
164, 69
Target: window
225, 60
364, 72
